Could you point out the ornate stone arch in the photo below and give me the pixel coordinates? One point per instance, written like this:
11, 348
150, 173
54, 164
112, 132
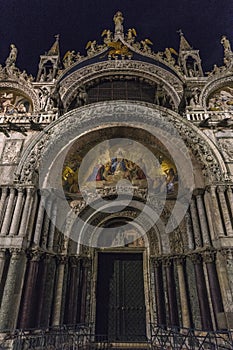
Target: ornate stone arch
213, 85
25, 89
172, 84
62, 131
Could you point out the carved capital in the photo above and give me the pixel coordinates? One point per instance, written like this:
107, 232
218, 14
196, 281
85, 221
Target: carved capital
198, 192
61, 259
35, 254
221, 189
16, 253
196, 258
179, 259
209, 256
156, 262
73, 261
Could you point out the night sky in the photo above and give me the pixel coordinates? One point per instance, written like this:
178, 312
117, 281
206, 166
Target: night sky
32, 24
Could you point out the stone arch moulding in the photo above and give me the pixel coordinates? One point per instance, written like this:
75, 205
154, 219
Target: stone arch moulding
25, 89
172, 84
213, 85
63, 131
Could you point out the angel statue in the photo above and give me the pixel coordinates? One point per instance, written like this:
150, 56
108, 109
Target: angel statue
131, 35
145, 45
68, 58
168, 54
91, 47
11, 59
108, 35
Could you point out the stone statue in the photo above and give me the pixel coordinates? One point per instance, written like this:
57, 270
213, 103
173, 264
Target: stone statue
56, 99
131, 35
11, 59
68, 58
145, 45
107, 34
82, 97
118, 20
91, 47
226, 45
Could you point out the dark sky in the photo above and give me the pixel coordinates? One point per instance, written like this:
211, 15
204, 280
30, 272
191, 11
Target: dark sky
32, 24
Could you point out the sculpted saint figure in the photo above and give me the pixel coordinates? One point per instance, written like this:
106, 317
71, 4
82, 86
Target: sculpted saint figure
118, 20
11, 59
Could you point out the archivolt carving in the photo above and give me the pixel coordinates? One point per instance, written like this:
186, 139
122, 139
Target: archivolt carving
117, 112
171, 83
213, 85
26, 89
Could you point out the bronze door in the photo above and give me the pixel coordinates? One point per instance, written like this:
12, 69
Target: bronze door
120, 312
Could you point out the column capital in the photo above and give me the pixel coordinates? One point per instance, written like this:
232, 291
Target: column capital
196, 258
35, 254
227, 253
61, 259
198, 192
73, 260
221, 188
209, 256
16, 253
156, 262
179, 259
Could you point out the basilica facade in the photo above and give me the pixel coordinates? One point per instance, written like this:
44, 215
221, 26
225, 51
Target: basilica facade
116, 202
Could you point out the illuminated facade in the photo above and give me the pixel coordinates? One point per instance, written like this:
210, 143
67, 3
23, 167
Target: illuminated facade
116, 207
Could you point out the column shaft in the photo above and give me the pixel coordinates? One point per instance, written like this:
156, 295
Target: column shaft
17, 213
39, 222
12, 291
56, 318
185, 312
224, 209
159, 294
171, 292
2, 203
26, 212
196, 227
8, 213
202, 294
203, 220
216, 217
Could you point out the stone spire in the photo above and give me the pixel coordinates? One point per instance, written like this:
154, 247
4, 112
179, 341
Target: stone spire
49, 63
184, 45
189, 59
55, 50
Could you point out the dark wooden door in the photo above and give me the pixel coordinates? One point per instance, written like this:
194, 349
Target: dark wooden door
120, 313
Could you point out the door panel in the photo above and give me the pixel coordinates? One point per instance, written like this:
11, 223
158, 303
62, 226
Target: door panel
120, 312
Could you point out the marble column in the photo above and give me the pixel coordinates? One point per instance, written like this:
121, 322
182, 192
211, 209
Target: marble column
185, 312
2, 202
224, 209
17, 212
52, 226
230, 199
171, 293
28, 304
3, 258
40, 218
215, 293
46, 224
43, 270
159, 293
85, 265
58, 297
8, 213
202, 292
202, 219
72, 291
189, 230
26, 212
13, 290
195, 222
216, 216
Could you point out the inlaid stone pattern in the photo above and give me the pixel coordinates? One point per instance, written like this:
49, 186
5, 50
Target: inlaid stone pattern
11, 152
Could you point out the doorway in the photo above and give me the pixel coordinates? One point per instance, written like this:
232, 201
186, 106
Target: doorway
120, 306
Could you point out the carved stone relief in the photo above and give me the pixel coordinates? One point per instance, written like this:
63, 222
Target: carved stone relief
11, 152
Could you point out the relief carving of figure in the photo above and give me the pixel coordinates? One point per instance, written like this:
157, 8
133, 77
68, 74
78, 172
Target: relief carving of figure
82, 97
68, 58
227, 149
